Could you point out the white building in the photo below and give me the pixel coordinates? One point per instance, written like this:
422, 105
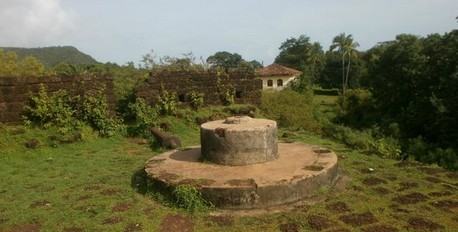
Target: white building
276, 77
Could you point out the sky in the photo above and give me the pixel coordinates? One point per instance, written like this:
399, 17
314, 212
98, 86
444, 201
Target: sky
124, 30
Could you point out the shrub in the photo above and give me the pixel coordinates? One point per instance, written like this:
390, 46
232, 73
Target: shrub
355, 139
227, 96
447, 158
428, 153
417, 148
366, 140
197, 100
226, 91
290, 109
51, 110
189, 198
145, 116
95, 112
167, 102
387, 147
358, 108
69, 113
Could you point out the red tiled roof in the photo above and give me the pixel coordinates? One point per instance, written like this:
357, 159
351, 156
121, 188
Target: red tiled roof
277, 70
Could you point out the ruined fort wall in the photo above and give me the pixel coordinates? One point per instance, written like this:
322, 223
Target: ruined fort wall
16, 91
247, 89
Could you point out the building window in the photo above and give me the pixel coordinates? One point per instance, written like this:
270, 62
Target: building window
270, 83
279, 82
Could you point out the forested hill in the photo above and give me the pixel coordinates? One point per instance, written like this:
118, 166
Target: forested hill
51, 56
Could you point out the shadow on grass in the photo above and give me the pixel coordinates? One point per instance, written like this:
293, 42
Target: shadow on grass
158, 190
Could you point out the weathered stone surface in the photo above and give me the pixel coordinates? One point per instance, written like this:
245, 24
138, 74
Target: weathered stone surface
15, 91
239, 141
278, 182
247, 89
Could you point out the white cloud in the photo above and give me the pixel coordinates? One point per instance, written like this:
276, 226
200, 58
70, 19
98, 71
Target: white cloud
31, 23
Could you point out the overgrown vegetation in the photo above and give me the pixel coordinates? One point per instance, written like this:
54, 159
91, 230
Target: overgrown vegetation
144, 117
189, 198
11, 65
167, 102
196, 100
290, 109
407, 84
68, 113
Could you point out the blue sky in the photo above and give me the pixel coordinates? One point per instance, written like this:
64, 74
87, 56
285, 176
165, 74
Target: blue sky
122, 30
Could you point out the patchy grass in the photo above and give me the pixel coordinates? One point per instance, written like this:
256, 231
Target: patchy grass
86, 186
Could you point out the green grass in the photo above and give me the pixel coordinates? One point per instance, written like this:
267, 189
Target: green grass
326, 105
84, 185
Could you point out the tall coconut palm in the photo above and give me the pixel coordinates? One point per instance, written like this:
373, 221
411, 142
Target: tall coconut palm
346, 46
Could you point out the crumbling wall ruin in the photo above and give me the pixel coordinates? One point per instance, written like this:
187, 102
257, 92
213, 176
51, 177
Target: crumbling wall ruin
244, 86
16, 91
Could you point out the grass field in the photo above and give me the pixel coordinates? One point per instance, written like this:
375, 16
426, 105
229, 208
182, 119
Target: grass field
86, 186
326, 105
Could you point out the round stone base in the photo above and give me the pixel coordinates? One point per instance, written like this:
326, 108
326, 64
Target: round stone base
298, 173
239, 141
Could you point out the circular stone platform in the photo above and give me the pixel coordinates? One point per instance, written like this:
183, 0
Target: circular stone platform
239, 140
297, 173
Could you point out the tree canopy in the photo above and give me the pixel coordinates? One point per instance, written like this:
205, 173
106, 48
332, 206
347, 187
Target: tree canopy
301, 54
11, 65
227, 61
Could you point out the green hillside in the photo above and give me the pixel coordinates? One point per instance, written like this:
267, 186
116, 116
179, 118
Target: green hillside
51, 56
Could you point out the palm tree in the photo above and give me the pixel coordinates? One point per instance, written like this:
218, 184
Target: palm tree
346, 46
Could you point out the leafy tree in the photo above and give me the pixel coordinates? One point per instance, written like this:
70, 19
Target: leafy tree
414, 83
225, 60
301, 54
30, 66
346, 47
232, 61
255, 64
10, 65
333, 68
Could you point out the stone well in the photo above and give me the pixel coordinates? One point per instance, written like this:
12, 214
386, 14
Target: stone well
239, 141
242, 166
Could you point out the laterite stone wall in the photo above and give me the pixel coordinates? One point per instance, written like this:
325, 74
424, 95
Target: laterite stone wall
247, 87
16, 91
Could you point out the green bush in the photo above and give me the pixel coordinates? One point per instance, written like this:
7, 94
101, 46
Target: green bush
227, 96
417, 148
51, 110
421, 151
290, 109
167, 103
366, 140
95, 111
189, 198
358, 108
145, 116
361, 140
447, 158
68, 113
226, 91
387, 147
197, 100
